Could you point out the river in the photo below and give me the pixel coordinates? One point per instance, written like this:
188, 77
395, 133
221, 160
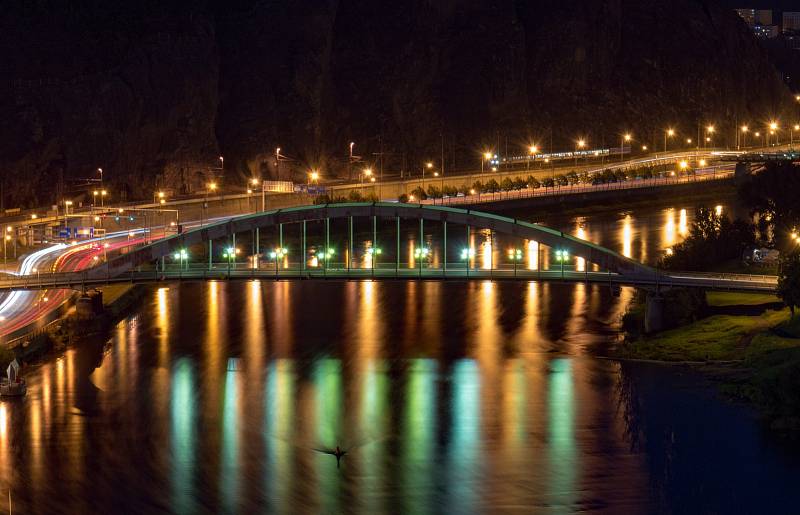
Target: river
448, 398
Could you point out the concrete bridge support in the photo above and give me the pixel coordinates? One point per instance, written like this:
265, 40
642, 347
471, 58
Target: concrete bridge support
653, 313
742, 172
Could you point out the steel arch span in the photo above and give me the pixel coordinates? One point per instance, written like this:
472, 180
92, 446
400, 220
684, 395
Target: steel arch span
605, 258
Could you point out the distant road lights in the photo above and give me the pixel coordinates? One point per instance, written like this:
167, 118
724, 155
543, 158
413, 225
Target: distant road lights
254, 181
688, 141
34, 216
644, 148
533, 149
702, 162
212, 186
96, 218
683, 165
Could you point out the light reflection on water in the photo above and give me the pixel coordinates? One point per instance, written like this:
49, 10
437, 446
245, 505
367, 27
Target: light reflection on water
458, 397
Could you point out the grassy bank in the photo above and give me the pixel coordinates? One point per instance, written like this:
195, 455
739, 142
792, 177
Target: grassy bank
757, 340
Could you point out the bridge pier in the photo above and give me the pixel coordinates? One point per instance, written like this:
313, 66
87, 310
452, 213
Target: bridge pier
742, 172
653, 312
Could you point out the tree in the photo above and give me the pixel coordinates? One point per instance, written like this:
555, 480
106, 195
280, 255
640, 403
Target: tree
507, 184
533, 183
789, 281
773, 196
419, 193
712, 239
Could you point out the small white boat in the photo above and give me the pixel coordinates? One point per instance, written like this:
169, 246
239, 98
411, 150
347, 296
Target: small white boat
13, 385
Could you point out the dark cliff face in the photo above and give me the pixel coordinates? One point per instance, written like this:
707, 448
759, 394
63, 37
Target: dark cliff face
154, 92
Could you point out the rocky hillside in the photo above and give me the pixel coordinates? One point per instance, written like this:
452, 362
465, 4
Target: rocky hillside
154, 92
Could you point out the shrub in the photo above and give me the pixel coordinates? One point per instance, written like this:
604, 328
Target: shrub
355, 196
419, 193
434, 192
403, 198
533, 182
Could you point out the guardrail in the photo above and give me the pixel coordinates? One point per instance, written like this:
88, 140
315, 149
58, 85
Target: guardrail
718, 173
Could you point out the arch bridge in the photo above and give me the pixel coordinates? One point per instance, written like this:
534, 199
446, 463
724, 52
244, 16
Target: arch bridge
303, 246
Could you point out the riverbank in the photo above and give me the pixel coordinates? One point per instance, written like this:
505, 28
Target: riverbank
748, 343
118, 300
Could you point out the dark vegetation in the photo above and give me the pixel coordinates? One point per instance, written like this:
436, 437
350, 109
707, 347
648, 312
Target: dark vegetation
713, 239
410, 80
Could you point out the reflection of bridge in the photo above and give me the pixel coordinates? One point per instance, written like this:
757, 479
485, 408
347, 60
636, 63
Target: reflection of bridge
566, 258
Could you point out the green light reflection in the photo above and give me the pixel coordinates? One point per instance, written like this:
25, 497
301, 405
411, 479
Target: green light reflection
183, 437
563, 458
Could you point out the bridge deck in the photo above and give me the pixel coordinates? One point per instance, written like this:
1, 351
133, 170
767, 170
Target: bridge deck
728, 282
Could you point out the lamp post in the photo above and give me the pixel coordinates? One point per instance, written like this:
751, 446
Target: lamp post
795, 127
532, 150
6, 239
626, 138
668, 133
485, 158
709, 131
373, 253
561, 256
181, 257
515, 255
428, 166
277, 255
467, 254
230, 255
421, 253
773, 129
742, 136
579, 145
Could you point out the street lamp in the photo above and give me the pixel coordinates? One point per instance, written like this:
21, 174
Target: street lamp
6, 239
486, 157
561, 256
373, 253
668, 133
773, 128
421, 253
428, 165
466, 255
515, 255
795, 127
709, 130
579, 145
626, 138
278, 254
743, 136
181, 257
532, 150
230, 254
